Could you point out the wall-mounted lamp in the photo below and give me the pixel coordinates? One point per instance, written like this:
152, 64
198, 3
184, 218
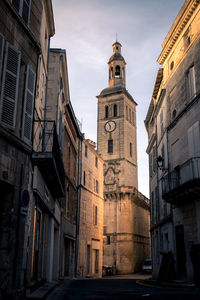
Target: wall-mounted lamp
160, 163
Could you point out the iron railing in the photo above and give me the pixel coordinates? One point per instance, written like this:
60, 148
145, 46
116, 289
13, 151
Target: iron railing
188, 171
45, 141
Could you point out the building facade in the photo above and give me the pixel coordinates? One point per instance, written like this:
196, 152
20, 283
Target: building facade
20, 26
172, 123
126, 211
90, 234
59, 108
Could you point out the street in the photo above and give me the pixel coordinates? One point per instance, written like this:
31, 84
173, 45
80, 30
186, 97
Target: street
113, 288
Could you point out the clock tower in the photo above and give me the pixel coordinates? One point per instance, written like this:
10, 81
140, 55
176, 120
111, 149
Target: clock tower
117, 145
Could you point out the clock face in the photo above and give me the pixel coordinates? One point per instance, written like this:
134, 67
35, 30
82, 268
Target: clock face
110, 126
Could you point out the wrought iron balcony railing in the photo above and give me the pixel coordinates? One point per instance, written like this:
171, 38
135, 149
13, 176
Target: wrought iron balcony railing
182, 181
47, 155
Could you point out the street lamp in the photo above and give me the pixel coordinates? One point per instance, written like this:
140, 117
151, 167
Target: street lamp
160, 163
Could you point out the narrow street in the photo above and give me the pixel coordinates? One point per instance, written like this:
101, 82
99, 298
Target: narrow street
118, 288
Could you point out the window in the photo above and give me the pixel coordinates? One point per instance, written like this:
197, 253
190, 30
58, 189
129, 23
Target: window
1, 51
61, 83
151, 164
161, 123
108, 240
84, 178
86, 148
115, 110
131, 151
96, 261
154, 160
96, 162
28, 105
97, 187
23, 8
194, 140
190, 83
133, 117
117, 71
10, 82
95, 214
163, 155
106, 112
110, 146
187, 38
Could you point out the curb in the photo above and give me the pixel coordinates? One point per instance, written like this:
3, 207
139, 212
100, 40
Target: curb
171, 285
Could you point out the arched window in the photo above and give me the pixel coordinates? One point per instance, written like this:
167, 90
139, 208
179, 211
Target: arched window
117, 71
111, 72
110, 146
106, 111
115, 110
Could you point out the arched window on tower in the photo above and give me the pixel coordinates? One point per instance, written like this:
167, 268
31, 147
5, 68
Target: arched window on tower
115, 110
106, 111
117, 71
111, 72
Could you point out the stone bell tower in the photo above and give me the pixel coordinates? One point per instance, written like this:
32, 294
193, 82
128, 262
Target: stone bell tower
117, 144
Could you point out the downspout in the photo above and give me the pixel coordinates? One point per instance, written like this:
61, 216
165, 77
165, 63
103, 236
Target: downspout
45, 103
78, 204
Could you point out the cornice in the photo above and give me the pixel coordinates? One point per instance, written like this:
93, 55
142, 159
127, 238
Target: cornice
179, 24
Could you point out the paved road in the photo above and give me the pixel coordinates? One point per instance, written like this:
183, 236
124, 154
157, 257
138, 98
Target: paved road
118, 289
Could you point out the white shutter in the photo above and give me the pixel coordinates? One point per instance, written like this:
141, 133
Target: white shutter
1, 51
10, 81
28, 105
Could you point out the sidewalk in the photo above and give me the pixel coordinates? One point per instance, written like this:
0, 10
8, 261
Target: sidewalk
176, 284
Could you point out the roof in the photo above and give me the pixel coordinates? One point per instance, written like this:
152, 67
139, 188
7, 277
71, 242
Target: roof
116, 56
116, 43
179, 24
116, 90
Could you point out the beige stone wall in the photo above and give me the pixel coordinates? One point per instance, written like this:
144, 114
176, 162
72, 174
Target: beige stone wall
126, 233
90, 234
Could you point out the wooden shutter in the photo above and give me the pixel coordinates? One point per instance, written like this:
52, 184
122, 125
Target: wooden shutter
28, 105
1, 51
10, 81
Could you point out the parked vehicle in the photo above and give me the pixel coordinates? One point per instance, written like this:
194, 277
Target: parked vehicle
147, 265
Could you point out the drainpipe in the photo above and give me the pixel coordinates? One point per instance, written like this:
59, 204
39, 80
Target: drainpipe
78, 204
45, 103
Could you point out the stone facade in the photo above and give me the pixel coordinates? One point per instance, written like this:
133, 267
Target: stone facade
118, 147
19, 48
90, 236
60, 109
172, 124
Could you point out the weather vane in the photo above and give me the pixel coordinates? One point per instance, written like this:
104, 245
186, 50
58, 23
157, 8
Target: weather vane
116, 36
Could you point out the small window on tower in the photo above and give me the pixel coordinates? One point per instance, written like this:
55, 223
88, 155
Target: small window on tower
110, 146
115, 110
117, 71
106, 112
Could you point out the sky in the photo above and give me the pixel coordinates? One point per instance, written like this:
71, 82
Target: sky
87, 29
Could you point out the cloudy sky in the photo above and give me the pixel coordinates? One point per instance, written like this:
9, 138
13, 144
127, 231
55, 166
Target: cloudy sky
87, 29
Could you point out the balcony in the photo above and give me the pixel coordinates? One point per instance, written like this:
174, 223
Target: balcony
47, 156
183, 183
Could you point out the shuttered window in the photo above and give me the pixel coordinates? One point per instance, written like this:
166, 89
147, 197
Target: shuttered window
28, 105
1, 51
194, 140
10, 81
23, 8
